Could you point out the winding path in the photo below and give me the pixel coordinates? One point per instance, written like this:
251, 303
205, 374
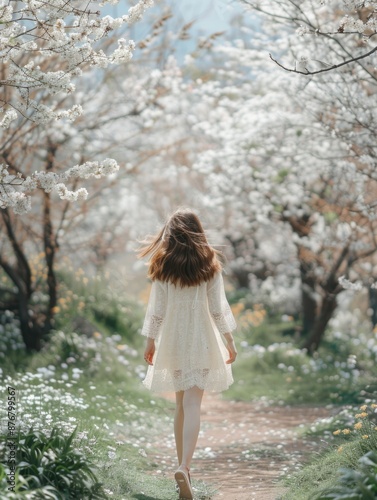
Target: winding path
244, 448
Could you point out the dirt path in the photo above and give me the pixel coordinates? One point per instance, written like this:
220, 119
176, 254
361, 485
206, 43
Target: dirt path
243, 448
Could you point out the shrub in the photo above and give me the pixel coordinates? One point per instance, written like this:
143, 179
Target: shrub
49, 467
346, 471
87, 305
22, 491
358, 484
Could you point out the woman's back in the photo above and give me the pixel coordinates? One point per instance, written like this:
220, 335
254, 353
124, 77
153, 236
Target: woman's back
187, 323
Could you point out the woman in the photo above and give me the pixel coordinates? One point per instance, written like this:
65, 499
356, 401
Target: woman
186, 315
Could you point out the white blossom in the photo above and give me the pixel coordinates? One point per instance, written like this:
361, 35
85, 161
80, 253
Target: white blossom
19, 202
349, 285
45, 49
302, 30
136, 12
13, 188
9, 116
70, 38
6, 12
124, 51
302, 63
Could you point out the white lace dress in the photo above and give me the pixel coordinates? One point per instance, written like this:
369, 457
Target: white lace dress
187, 324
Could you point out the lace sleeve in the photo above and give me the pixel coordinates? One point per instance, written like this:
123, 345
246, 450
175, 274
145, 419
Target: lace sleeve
218, 305
155, 311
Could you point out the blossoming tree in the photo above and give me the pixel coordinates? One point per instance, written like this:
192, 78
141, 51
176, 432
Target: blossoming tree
336, 42
339, 32
286, 162
48, 49
297, 152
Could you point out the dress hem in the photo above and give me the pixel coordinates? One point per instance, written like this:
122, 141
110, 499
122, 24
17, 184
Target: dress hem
206, 389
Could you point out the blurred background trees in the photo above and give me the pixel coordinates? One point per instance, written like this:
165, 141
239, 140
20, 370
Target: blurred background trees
281, 166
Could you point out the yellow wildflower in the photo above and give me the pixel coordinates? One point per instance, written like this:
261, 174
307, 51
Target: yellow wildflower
346, 431
237, 308
375, 428
358, 425
365, 436
364, 407
337, 432
340, 449
362, 415
373, 405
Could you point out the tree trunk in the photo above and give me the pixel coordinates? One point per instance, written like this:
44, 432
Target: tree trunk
31, 333
326, 311
242, 278
34, 324
23, 268
308, 301
331, 288
373, 305
50, 248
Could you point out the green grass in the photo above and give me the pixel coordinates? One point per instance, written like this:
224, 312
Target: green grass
271, 365
323, 472
257, 377
350, 435
94, 304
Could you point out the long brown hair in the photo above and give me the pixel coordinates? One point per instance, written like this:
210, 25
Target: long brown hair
180, 252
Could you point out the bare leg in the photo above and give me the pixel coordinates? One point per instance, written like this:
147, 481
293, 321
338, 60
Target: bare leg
192, 400
178, 424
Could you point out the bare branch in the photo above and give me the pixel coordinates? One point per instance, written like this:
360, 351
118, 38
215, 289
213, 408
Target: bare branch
329, 68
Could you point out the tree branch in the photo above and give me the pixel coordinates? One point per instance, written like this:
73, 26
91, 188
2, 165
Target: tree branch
8, 290
330, 285
330, 68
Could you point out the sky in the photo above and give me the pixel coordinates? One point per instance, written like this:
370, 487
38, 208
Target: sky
209, 15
